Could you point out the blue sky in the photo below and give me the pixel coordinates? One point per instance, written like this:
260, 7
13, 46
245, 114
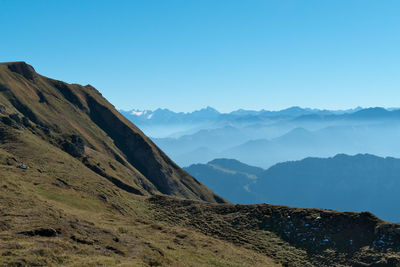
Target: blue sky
184, 55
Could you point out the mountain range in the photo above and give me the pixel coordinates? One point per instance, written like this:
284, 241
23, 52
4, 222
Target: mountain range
264, 138
80, 185
209, 114
351, 183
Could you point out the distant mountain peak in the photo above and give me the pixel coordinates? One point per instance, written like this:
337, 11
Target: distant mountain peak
138, 112
206, 110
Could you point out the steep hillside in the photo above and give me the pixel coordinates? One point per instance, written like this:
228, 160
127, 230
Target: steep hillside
78, 120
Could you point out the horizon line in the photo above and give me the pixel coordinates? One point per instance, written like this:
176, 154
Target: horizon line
263, 109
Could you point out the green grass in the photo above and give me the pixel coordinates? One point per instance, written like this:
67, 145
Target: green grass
72, 199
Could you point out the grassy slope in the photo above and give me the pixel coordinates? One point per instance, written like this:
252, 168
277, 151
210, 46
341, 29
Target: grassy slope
96, 222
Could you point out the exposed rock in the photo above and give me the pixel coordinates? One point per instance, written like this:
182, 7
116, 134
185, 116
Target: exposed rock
22, 68
3, 109
15, 117
62, 183
3, 88
42, 98
9, 122
47, 232
82, 240
6, 121
68, 93
45, 129
115, 250
24, 109
22, 166
102, 197
76, 147
26, 122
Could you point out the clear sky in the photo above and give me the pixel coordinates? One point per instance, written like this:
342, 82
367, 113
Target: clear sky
184, 55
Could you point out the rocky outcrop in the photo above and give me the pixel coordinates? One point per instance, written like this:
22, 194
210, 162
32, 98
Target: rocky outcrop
23, 69
46, 232
75, 146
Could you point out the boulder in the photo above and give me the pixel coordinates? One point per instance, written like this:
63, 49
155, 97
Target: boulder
22, 166
15, 117
75, 147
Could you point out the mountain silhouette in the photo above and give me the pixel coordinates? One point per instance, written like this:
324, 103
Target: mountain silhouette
227, 177
362, 182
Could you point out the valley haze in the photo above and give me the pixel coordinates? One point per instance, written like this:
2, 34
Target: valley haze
264, 138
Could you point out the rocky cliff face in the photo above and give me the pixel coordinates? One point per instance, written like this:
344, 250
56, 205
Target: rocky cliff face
78, 120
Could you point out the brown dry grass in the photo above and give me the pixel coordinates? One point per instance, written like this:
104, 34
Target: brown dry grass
97, 223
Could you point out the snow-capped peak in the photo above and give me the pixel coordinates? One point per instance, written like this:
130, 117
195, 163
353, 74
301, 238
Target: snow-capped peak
138, 112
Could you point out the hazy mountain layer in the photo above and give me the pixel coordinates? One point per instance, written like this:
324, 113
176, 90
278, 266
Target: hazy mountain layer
348, 183
229, 178
162, 123
266, 145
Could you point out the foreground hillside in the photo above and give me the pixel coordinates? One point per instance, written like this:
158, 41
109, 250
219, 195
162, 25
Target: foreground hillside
80, 186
